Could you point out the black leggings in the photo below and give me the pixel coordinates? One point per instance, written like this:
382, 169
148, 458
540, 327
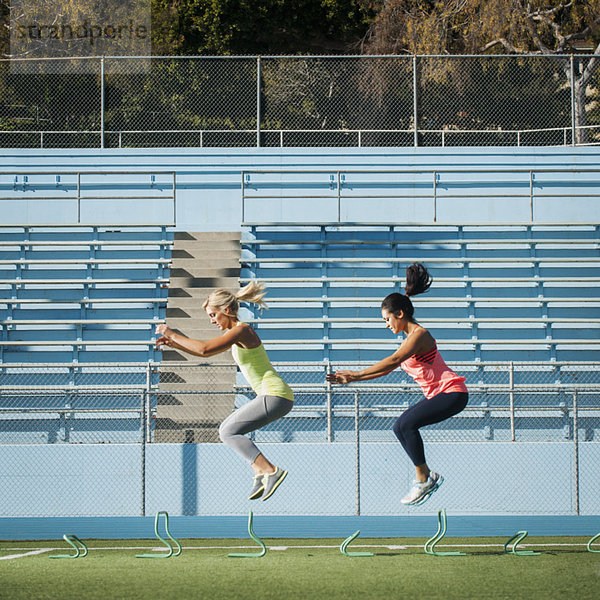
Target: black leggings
426, 412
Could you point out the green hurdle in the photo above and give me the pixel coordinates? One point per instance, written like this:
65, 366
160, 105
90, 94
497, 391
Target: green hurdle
165, 542
589, 544
517, 539
348, 540
441, 532
263, 550
74, 541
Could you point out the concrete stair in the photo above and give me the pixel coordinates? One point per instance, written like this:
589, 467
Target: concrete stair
193, 401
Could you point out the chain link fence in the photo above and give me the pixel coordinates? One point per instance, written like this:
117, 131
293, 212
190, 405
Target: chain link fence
133, 439
300, 101
42, 108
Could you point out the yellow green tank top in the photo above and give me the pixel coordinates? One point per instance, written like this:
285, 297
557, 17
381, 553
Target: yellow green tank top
259, 372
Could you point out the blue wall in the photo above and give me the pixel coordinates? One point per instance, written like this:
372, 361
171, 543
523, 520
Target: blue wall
209, 184
209, 479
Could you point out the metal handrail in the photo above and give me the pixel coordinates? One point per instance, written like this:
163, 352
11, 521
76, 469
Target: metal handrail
337, 187
83, 391
78, 196
402, 226
83, 281
281, 133
58, 226
441, 343
22, 243
77, 343
468, 320
87, 261
320, 365
57, 302
80, 321
447, 300
432, 260
534, 280
422, 242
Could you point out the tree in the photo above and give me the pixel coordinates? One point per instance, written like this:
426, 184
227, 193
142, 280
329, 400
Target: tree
229, 27
75, 28
222, 27
494, 26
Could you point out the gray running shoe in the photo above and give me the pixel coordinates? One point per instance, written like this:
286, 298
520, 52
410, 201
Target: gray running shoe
272, 481
258, 488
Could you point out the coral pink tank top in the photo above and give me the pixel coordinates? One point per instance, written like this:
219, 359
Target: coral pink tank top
432, 374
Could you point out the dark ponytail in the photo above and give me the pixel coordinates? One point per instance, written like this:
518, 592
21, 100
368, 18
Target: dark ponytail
418, 281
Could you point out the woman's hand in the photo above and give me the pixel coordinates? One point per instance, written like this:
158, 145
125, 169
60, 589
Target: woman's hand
342, 377
164, 330
164, 341
166, 336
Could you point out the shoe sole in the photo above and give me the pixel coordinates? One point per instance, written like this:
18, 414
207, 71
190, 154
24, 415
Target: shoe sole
277, 484
257, 494
426, 496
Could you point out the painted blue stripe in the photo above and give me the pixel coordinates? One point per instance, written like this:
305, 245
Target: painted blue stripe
297, 526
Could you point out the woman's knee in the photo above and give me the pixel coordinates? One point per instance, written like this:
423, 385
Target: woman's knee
225, 432
399, 428
403, 426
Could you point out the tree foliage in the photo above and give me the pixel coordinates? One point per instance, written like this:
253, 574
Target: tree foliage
476, 26
493, 27
230, 27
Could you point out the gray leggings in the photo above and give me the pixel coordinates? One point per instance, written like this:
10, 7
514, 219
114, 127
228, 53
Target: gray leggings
256, 414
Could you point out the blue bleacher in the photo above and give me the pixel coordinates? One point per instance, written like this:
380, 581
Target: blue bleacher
76, 300
500, 293
83, 294
522, 293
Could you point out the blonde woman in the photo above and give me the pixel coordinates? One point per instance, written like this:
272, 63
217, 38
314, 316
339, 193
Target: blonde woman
274, 398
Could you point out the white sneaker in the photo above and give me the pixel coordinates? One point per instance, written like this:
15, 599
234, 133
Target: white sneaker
421, 490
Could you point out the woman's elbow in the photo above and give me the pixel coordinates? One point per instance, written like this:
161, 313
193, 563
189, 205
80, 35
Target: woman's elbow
205, 352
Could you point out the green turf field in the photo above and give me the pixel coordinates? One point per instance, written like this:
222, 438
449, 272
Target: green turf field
302, 569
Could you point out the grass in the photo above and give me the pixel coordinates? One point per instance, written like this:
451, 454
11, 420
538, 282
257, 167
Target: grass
111, 571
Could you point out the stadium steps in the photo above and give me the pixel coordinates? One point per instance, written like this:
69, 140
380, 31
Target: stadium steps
202, 262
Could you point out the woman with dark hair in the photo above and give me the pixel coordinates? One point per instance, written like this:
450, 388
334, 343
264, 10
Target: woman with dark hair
445, 392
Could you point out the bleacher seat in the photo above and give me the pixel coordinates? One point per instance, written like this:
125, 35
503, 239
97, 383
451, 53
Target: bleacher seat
85, 294
75, 301
522, 292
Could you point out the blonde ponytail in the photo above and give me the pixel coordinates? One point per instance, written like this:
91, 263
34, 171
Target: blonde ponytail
253, 292
225, 301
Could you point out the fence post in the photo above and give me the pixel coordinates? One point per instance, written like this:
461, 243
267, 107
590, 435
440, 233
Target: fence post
329, 406
511, 378
78, 197
576, 450
435, 180
174, 198
102, 90
573, 117
143, 455
339, 197
531, 199
258, 94
148, 388
357, 437
415, 104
